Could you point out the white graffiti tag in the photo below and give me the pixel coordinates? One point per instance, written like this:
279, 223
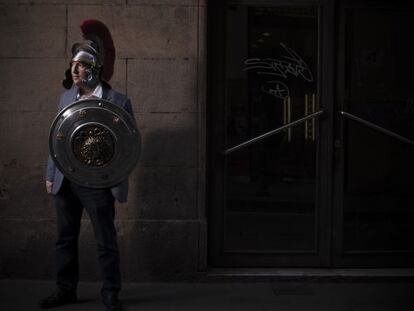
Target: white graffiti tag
276, 88
291, 64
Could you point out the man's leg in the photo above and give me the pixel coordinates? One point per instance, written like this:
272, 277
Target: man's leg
99, 203
69, 213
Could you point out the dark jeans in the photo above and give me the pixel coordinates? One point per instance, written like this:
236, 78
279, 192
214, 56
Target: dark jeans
99, 204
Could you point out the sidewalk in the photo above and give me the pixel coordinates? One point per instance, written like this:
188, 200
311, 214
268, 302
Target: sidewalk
22, 295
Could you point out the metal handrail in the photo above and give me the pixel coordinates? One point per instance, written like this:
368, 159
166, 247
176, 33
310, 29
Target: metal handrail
377, 127
272, 132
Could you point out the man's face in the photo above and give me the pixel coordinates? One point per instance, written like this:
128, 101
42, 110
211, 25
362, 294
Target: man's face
79, 72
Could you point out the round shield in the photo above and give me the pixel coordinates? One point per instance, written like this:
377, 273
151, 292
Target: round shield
94, 143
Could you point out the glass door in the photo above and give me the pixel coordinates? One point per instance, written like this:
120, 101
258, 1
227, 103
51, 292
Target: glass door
374, 223
267, 209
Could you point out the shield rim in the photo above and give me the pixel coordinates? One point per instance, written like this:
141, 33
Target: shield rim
117, 111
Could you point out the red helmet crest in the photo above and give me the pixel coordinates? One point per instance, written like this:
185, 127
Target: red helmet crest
97, 32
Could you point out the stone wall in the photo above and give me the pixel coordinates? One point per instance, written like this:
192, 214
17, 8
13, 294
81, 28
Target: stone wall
160, 65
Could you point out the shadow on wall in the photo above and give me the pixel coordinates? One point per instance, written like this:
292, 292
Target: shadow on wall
158, 230
158, 227
164, 184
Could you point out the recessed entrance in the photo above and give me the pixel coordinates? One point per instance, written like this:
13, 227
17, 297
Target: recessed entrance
312, 135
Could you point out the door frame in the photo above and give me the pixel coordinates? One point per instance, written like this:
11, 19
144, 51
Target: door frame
353, 259
215, 115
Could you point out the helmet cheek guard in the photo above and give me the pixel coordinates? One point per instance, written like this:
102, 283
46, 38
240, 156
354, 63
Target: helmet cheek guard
92, 78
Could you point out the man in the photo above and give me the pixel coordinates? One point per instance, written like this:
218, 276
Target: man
86, 80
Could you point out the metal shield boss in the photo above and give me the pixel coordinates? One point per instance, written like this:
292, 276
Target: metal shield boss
94, 143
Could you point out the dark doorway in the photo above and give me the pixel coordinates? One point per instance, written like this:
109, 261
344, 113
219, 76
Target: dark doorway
305, 171
375, 190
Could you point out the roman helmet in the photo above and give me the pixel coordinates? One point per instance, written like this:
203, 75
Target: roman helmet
97, 50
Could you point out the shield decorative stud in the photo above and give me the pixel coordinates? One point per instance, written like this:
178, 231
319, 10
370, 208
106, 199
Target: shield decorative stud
94, 143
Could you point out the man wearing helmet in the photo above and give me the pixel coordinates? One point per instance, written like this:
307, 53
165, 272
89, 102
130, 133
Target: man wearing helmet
85, 68
91, 64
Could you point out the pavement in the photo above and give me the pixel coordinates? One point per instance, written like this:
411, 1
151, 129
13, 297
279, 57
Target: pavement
23, 295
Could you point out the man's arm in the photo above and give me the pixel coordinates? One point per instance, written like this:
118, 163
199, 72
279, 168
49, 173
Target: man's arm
50, 174
128, 107
51, 167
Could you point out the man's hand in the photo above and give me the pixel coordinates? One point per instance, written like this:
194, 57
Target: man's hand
49, 185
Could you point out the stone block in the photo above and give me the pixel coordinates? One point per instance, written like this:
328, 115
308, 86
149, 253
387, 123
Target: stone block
142, 31
22, 164
161, 193
164, 2
29, 248
26, 31
31, 84
14, 1
202, 73
158, 250
70, 2
23, 193
202, 103
202, 52
118, 81
26, 136
163, 85
203, 245
168, 139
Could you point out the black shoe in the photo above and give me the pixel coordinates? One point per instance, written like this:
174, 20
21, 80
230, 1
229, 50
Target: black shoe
58, 298
111, 301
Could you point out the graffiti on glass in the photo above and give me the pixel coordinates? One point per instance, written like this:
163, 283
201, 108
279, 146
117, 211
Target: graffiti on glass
276, 88
287, 65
